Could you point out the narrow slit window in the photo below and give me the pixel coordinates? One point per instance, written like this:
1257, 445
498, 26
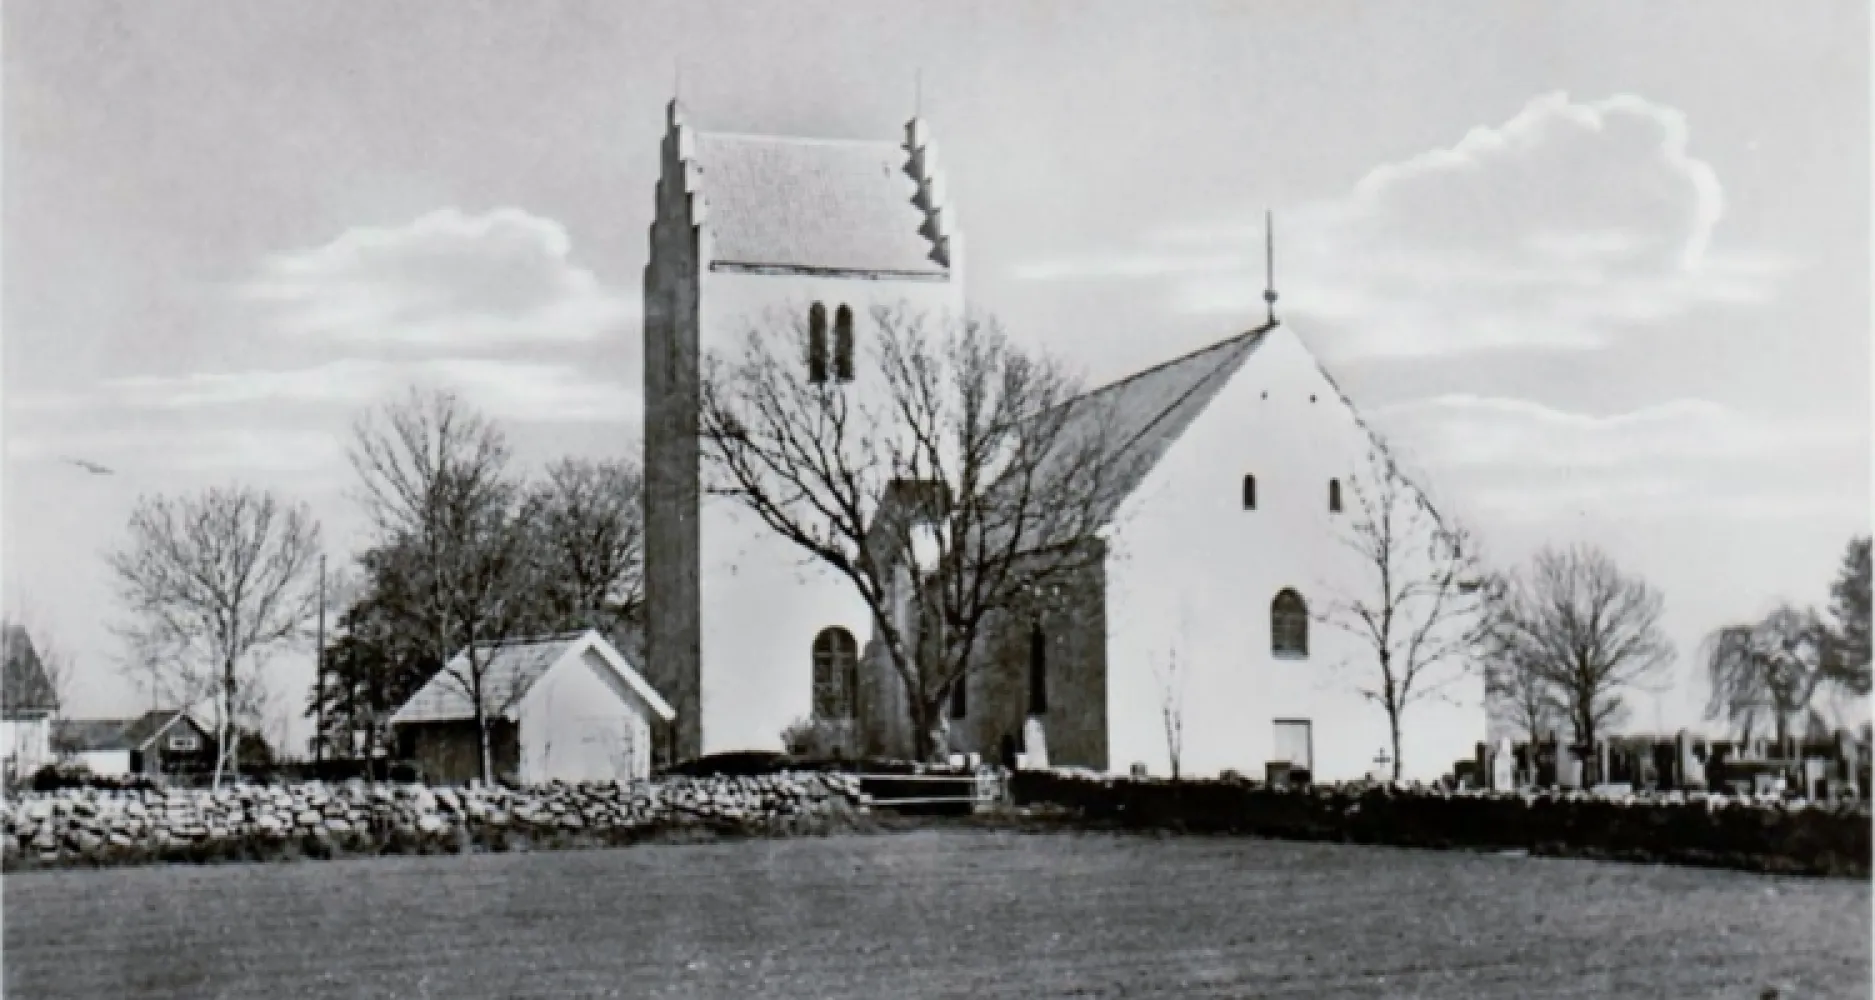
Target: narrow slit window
1334, 496
817, 344
1249, 493
843, 344
960, 697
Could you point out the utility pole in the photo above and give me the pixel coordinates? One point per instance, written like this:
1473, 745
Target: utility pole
319, 670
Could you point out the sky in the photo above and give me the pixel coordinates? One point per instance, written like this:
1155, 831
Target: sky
1600, 270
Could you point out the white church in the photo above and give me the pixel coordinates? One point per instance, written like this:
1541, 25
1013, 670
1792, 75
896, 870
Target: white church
1220, 557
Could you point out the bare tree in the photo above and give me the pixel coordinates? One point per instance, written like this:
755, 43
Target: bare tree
1589, 631
591, 520
953, 481
436, 484
1524, 695
1520, 693
1771, 668
1171, 678
215, 581
1417, 608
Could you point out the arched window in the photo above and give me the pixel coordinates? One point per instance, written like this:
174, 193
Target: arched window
843, 344
1249, 493
836, 674
1038, 670
1334, 496
1289, 625
817, 344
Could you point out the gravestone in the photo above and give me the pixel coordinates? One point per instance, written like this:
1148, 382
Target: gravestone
1815, 779
1689, 770
1848, 756
1036, 740
1503, 767
1568, 768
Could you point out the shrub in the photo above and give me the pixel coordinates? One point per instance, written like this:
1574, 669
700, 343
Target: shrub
819, 739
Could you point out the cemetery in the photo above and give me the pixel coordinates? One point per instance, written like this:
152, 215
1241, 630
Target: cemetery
1797, 809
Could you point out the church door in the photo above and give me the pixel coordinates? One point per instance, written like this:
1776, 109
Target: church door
1294, 744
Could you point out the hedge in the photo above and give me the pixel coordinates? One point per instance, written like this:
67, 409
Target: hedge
1687, 829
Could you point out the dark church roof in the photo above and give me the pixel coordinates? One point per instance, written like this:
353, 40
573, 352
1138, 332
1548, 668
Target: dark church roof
813, 203
26, 688
1142, 415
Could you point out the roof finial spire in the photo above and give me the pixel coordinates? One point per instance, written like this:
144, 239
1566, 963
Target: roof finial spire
1269, 265
917, 92
677, 82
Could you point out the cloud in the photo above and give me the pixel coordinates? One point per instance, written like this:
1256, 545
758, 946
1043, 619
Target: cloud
507, 390
1471, 430
243, 449
1525, 461
288, 420
446, 279
1558, 229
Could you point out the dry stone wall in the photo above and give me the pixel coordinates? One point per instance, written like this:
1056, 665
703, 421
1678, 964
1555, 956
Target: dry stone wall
106, 826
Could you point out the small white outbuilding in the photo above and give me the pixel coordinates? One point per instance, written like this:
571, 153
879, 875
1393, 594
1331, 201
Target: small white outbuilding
564, 707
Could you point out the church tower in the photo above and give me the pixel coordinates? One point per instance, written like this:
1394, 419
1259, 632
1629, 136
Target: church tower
749, 228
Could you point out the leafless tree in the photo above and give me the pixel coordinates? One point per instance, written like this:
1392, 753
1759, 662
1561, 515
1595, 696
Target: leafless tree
1587, 630
1171, 678
1524, 695
436, 484
215, 581
956, 480
591, 519
1416, 610
1773, 668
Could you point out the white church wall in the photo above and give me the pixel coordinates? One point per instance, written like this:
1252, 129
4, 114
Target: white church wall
763, 598
1192, 570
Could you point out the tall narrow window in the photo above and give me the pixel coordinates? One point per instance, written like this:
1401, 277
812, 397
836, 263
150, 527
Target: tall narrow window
1038, 670
1289, 625
1334, 496
836, 674
843, 344
817, 344
1249, 493
960, 697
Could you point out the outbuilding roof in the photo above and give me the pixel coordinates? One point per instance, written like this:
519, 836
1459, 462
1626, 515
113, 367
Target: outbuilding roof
510, 671
107, 735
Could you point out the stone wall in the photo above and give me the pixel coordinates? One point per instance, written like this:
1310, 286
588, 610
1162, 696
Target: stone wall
88, 827
1679, 828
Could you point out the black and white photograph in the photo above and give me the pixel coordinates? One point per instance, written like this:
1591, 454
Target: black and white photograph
898, 498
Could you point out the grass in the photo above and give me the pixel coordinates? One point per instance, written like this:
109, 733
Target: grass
955, 912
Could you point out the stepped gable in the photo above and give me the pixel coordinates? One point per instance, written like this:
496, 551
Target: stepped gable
840, 206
